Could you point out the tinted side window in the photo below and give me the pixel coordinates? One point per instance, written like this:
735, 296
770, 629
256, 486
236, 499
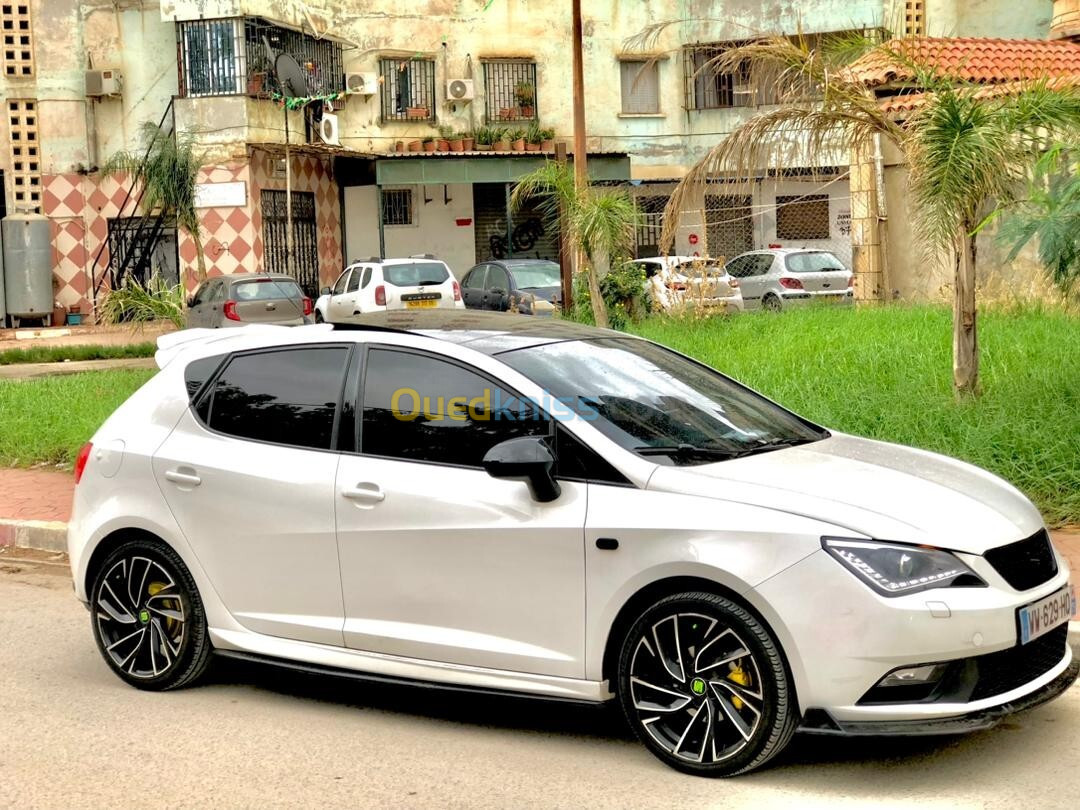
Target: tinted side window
339, 285
419, 408
198, 372
475, 279
497, 279
575, 460
287, 397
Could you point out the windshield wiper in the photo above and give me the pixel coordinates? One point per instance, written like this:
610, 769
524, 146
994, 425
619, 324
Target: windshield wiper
684, 450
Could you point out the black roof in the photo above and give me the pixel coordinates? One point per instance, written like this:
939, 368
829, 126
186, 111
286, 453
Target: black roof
488, 332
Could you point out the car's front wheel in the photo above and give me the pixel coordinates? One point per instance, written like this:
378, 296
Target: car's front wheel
705, 687
148, 618
318, 317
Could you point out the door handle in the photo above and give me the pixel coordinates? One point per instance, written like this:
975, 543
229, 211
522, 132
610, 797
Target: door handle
368, 493
177, 477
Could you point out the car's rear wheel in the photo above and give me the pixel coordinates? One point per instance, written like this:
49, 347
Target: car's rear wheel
147, 616
771, 303
704, 686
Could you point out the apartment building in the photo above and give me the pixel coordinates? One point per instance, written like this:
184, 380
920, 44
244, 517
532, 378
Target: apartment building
79, 78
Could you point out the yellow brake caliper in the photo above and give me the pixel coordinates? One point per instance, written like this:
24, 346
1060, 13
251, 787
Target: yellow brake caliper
739, 676
154, 588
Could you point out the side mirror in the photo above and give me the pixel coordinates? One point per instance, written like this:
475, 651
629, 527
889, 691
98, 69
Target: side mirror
525, 459
325, 291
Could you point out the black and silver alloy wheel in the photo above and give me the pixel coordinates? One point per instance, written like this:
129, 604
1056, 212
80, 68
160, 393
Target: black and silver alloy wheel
147, 617
704, 686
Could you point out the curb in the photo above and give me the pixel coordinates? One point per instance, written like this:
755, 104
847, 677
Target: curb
44, 535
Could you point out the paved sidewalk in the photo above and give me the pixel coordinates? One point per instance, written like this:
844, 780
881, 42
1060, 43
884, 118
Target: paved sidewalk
26, 371
83, 335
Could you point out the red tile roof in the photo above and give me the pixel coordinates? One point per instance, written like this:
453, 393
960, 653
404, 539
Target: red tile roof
906, 102
969, 59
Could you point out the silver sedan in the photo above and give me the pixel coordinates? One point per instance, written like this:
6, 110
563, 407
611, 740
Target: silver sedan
780, 277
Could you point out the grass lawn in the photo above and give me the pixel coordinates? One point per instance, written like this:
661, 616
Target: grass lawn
46, 420
57, 354
886, 373
883, 373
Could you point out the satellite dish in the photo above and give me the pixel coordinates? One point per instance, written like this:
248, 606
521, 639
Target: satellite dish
291, 77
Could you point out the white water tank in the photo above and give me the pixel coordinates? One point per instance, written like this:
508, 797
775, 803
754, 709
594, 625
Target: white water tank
27, 266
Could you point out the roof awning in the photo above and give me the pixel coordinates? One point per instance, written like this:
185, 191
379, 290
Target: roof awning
446, 168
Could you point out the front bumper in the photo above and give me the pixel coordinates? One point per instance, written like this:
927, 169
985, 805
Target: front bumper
820, 721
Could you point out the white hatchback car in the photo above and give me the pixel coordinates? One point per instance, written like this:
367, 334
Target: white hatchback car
378, 285
680, 281
514, 504
780, 277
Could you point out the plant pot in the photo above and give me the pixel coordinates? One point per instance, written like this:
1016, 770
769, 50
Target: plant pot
508, 113
527, 112
518, 145
457, 146
416, 112
500, 146
430, 146
468, 144
532, 147
484, 147
547, 146
399, 146
74, 319
415, 146
255, 83
443, 146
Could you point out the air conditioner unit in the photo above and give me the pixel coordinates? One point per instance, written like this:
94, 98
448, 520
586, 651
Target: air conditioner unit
328, 129
460, 90
103, 83
278, 168
364, 84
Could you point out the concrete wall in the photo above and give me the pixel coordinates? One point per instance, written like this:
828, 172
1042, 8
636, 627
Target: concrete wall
434, 229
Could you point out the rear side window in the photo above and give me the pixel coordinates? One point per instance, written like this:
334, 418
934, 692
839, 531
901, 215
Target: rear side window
415, 274
286, 397
424, 409
266, 290
354, 282
198, 372
367, 278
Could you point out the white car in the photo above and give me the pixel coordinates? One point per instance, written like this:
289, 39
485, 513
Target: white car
777, 278
676, 282
481, 500
377, 285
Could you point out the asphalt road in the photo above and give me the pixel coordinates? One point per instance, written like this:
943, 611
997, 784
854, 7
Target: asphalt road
72, 735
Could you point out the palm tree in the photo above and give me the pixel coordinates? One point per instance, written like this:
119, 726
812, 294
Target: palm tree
598, 222
965, 147
167, 171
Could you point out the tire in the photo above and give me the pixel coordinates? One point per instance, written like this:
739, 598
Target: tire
143, 584
770, 303
750, 712
318, 317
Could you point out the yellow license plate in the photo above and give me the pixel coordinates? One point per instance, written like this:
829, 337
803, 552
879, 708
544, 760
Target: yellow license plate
421, 304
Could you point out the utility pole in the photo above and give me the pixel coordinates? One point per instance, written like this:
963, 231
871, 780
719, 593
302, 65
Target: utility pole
581, 175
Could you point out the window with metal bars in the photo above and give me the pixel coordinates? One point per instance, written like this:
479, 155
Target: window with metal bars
18, 51
305, 263
640, 86
397, 206
802, 217
408, 89
25, 158
709, 88
233, 56
510, 90
650, 225
729, 229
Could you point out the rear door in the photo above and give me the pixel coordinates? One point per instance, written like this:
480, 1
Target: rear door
751, 270
249, 475
268, 300
472, 288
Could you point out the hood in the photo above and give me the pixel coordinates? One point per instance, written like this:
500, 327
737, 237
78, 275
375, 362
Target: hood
544, 293
879, 490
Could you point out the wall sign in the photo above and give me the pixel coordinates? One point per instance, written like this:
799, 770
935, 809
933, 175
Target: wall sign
221, 195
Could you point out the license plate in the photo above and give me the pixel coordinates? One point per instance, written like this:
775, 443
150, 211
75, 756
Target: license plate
1043, 616
421, 304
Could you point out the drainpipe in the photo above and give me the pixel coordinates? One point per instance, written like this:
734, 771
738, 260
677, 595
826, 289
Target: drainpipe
382, 232
882, 217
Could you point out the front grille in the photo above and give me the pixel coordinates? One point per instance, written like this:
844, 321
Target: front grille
1025, 564
1008, 669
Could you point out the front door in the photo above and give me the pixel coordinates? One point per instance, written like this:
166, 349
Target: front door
341, 306
439, 561
472, 289
249, 476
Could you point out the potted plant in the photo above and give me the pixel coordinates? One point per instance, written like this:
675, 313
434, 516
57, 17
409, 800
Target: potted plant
429, 143
485, 137
517, 139
508, 113
256, 81
443, 141
547, 140
533, 137
499, 141
416, 112
415, 146
399, 146
468, 141
454, 141
525, 95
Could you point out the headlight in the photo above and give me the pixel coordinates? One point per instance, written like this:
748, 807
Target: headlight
893, 569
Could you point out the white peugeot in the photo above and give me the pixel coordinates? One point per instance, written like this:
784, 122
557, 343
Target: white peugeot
482, 500
377, 285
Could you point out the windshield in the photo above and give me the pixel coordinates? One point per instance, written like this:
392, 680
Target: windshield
266, 290
657, 403
540, 274
813, 262
415, 274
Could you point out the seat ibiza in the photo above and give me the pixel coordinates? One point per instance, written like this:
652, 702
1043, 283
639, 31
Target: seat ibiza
480, 500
